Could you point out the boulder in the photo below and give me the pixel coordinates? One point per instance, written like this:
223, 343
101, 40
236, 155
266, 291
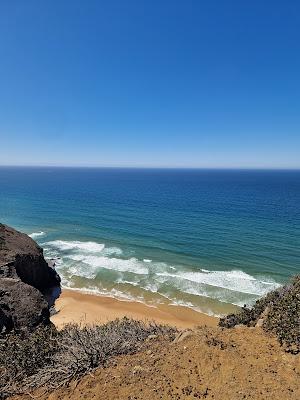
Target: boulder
21, 257
28, 285
22, 307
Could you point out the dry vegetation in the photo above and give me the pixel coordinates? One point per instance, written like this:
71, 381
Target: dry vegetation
50, 358
279, 312
206, 363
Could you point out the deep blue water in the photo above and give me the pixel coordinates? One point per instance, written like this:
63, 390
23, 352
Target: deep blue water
205, 238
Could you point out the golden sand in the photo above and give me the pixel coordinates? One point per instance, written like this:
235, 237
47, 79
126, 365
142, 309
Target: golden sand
75, 306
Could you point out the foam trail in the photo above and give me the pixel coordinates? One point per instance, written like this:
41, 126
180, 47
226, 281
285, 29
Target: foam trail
237, 281
112, 251
116, 264
93, 261
113, 293
64, 245
35, 235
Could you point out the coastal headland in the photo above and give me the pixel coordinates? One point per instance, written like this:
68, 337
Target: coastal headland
100, 347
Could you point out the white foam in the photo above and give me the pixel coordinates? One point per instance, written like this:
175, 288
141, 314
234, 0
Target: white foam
82, 270
35, 235
124, 281
151, 287
88, 259
113, 251
76, 245
237, 281
117, 264
113, 293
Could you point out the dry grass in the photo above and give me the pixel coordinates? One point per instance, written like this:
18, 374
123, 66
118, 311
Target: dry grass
50, 358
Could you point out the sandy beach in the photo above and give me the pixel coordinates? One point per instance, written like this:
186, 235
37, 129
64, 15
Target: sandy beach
75, 306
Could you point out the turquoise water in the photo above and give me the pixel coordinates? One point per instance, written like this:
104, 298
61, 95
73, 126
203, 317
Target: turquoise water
208, 239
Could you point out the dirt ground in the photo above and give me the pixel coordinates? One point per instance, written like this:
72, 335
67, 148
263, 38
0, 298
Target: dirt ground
208, 363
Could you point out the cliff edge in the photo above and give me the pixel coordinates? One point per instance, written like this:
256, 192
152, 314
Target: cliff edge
26, 280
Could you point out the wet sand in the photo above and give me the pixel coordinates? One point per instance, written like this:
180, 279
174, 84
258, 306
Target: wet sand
75, 306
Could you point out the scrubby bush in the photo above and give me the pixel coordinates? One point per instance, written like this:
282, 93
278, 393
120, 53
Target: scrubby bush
280, 314
82, 350
50, 358
22, 355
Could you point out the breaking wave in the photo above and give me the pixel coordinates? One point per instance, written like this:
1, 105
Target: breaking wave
35, 235
123, 275
116, 264
236, 281
90, 247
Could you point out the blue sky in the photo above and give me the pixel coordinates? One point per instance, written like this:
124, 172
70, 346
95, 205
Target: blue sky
150, 83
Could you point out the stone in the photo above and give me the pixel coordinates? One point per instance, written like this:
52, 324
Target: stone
21, 257
182, 336
28, 285
22, 307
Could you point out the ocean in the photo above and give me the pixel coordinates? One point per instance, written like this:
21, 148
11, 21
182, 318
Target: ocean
208, 239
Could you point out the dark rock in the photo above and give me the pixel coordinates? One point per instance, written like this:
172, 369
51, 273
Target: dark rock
6, 321
22, 307
21, 257
28, 285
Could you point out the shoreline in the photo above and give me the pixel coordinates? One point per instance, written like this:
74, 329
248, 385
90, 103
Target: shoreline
86, 309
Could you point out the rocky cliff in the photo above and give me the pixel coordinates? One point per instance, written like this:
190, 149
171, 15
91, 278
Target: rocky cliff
25, 282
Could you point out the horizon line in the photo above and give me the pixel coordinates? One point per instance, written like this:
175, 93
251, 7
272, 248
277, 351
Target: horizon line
151, 167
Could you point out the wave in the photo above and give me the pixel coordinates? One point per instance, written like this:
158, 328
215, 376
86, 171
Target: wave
113, 293
35, 235
234, 280
113, 251
173, 288
121, 296
64, 245
100, 264
116, 264
83, 247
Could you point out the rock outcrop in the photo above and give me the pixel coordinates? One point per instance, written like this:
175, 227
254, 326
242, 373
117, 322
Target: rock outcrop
26, 281
22, 307
21, 257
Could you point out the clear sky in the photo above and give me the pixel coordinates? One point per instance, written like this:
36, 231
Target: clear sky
150, 83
